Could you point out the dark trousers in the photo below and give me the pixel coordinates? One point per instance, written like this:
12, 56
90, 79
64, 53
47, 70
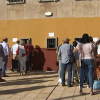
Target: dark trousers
64, 66
5, 66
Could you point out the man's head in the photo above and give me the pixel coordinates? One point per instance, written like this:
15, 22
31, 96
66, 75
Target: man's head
5, 40
66, 40
17, 41
28, 41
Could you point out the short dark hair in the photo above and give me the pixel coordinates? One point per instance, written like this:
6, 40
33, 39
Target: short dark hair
75, 43
5, 39
85, 38
17, 41
90, 39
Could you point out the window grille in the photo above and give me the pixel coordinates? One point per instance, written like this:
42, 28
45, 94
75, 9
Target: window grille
15, 1
51, 43
86, 0
41, 1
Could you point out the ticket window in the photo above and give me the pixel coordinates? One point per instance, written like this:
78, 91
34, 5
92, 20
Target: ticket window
51, 42
25, 40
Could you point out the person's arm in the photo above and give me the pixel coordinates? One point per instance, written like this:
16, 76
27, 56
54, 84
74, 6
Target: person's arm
3, 55
8, 50
93, 51
98, 52
59, 52
33, 50
76, 49
12, 49
17, 51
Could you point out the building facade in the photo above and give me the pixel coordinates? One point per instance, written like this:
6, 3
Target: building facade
47, 23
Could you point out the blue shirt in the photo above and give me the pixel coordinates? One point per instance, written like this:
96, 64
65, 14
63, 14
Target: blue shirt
64, 52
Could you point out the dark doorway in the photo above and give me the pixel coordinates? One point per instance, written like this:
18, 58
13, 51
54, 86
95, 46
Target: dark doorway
25, 40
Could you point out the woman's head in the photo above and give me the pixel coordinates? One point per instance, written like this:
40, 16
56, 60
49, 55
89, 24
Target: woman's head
85, 38
74, 43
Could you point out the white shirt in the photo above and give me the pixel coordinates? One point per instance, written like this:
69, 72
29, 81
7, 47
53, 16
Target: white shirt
5, 48
14, 48
98, 50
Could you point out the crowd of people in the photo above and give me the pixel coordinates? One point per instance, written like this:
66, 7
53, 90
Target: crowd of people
21, 53
79, 59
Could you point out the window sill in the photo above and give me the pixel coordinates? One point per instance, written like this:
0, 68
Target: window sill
11, 3
51, 48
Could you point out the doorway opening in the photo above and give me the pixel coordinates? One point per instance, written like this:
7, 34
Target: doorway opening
25, 40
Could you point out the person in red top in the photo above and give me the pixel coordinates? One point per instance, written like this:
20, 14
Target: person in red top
29, 53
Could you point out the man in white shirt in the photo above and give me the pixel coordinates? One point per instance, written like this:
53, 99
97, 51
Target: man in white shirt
7, 54
14, 49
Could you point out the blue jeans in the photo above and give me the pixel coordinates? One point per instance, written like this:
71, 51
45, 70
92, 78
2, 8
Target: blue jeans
87, 67
64, 66
4, 66
59, 71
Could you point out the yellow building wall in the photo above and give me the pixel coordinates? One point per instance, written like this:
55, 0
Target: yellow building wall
38, 29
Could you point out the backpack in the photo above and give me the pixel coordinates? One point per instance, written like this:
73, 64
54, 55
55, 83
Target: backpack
21, 51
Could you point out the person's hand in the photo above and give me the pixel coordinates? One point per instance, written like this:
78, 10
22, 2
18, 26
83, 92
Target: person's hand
3, 59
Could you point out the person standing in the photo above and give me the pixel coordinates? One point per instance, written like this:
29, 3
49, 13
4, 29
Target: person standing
7, 55
15, 62
21, 53
14, 49
1, 62
86, 50
59, 63
29, 53
75, 65
64, 52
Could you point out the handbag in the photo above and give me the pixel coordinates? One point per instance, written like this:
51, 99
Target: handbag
96, 85
72, 57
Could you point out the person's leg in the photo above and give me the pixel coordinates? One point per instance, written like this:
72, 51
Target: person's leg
0, 74
69, 73
21, 64
63, 73
24, 63
30, 63
90, 73
4, 66
82, 74
59, 71
73, 70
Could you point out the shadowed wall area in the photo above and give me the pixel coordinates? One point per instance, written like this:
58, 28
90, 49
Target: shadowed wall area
43, 59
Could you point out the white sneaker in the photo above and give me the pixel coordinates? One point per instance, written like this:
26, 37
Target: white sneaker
60, 80
88, 86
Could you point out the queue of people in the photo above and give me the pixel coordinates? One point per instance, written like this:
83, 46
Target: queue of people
82, 69
21, 53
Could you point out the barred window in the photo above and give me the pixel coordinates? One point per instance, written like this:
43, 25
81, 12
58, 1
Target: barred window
41, 1
15, 1
87, 0
51, 43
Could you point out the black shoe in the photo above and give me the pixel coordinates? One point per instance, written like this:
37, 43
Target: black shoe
5, 76
70, 85
77, 80
2, 80
63, 85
